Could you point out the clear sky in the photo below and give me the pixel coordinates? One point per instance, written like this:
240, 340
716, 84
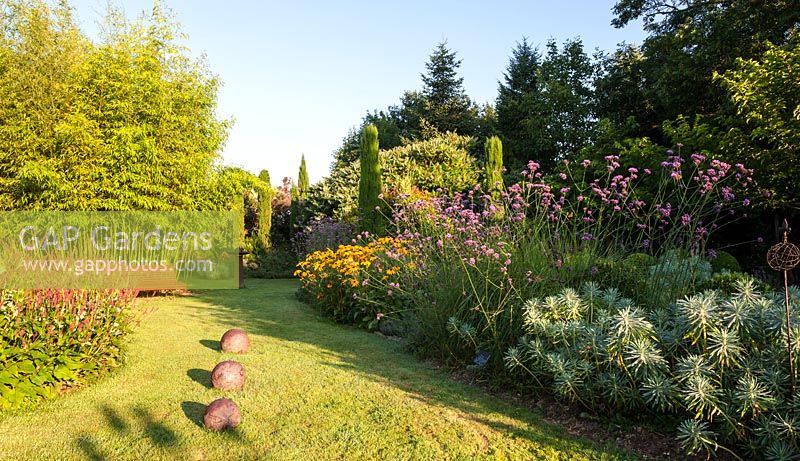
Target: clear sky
299, 74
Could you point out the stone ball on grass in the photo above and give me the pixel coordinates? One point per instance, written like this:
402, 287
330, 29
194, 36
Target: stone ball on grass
222, 414
235, 341
228, 376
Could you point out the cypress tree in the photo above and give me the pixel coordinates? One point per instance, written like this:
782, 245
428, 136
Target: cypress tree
494, 167
264, 223
302, 180
294, 211
369, 185
264, 176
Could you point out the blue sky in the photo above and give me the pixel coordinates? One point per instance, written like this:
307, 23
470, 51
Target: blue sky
298, 75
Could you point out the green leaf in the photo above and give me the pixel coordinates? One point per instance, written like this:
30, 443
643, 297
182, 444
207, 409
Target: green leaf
64, 373
7, 379
71, 363
26, 367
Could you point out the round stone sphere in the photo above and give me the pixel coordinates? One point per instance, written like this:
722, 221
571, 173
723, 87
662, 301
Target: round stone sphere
222, 414
228, 376
235, 341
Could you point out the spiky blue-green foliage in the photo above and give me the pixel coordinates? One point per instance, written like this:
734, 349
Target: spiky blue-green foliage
726, 282
369, 186
717, 360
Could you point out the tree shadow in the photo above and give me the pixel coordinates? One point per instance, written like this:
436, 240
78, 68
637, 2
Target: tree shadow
89, 448
194, 412
159, 434
200, 376
211, 344
113, 418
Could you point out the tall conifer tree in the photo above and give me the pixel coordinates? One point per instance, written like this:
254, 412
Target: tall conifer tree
519, 105
302, 180
369, 186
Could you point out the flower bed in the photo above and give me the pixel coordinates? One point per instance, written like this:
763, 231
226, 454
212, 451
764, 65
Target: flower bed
338, 281
56, 339
470, 264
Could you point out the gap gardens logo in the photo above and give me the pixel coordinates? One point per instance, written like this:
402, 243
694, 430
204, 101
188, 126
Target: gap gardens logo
144, 250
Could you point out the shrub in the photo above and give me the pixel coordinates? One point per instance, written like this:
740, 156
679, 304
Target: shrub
322, 234
724, 261
276, 262
302, 179
263, 175
263, 226
674, 275
629, 274
56, 339
718, 360
280, 230
438, 164
236, 189
127, 122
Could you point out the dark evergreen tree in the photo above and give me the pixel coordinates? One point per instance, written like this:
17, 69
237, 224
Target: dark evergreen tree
620, 91
568, 101
487, 126
545, 107
349, 151
519, 106
442, 83
390, 133
412, 110
387, 123
442, 101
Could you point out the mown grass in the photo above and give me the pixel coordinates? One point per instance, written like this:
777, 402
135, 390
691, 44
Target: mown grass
315, 390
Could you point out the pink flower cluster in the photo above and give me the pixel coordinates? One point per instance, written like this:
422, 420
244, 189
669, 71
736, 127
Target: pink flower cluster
605, 206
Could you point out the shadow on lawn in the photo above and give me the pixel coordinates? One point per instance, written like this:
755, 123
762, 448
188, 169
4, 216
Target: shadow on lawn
114, 420
211, 344
159, 434
270, 308
200, 376
194, 412
89, 448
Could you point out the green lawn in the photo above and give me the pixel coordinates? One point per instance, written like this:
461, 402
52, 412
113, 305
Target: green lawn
315, 390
